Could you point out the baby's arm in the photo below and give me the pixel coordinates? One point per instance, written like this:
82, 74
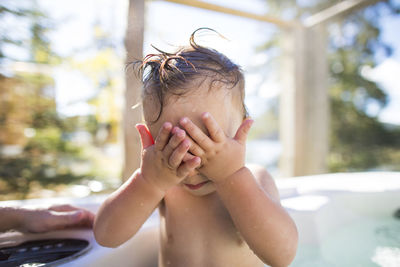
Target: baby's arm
264, 224
125, 211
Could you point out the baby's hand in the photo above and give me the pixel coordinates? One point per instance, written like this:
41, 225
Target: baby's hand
162, 162
221, 156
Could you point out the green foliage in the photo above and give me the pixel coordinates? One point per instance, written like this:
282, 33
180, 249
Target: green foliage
36, 42
48, 156
28, 115
358, 141
19, 173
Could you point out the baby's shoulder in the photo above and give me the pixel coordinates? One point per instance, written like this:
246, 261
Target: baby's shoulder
265, 180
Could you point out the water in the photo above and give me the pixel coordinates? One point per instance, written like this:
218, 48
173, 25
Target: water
370, 242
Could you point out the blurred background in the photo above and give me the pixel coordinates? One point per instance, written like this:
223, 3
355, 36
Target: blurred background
63, 92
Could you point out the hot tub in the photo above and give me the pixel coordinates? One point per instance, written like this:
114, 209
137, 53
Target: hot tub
343, 220
141, 250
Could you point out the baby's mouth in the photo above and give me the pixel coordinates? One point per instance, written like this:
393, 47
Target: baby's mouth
196, 186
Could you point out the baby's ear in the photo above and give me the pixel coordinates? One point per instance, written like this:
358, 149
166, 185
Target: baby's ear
145, 135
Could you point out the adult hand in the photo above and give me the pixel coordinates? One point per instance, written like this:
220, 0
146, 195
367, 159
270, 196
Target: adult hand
56, 217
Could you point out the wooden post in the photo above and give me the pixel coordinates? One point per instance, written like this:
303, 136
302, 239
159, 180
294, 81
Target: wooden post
134, 49
304, 107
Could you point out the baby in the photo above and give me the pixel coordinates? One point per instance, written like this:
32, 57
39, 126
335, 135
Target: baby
214, 210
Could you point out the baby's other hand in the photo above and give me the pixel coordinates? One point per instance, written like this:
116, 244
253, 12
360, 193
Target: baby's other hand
221, 156
163, 163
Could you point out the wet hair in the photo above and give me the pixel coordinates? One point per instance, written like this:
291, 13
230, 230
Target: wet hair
165, 74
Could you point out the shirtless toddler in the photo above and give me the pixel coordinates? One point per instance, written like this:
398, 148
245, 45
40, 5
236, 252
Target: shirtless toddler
214, 210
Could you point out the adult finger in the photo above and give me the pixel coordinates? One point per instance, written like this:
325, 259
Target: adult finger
163, 136
145, 136
241, 133
196, 134
87, 219
63, 207
61, 220
215, 131
77, 218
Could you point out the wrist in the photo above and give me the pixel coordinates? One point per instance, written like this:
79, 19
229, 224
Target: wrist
152, 184
222, 181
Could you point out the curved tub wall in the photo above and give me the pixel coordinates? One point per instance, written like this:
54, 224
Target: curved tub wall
318, 204
321, 203
325, 205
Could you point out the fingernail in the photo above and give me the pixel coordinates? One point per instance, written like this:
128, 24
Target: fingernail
181, 133
184, 120
166, 125
206, 115
186, 143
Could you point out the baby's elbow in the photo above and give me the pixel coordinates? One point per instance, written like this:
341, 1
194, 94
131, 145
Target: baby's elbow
289, 251
102, 236
107, 244
282, 260
286, 254
104, 240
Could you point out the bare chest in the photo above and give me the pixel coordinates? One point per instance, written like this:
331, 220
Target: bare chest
200, 232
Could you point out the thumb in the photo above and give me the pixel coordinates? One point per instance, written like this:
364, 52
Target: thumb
145, 135
243, 130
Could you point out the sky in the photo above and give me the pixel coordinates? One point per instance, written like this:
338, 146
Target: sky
169, 24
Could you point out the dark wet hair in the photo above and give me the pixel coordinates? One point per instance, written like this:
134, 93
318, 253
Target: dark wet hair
173, 73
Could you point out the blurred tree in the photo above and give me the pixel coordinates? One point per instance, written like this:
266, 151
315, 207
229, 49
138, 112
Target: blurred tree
104, 70
35, 145
359, 141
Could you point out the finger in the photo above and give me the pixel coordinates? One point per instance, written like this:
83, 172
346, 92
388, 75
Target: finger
177, 155
63, 207
163, 136
213, 128
185, 169
195, 149
174, 141
61, 220
187, 157
87, 219
241, 133
196, 134
145, 136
